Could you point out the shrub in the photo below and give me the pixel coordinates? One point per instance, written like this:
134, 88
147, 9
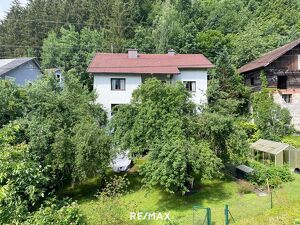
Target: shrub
245, 187
273, 176
110, 207
58, 213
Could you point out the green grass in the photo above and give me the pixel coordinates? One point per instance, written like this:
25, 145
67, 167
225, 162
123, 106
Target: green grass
246, 209
293, 140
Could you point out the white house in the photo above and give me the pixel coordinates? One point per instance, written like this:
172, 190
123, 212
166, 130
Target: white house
116, 76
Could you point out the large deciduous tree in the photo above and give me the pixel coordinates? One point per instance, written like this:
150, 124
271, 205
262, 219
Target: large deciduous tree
65, 129
157, 122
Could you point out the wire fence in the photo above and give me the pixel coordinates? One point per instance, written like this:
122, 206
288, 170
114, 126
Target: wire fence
240, 210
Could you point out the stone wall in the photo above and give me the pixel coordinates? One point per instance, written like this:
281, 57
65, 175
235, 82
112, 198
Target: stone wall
293, 106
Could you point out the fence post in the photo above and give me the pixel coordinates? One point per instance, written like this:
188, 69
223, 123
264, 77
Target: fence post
226, 215
208, 216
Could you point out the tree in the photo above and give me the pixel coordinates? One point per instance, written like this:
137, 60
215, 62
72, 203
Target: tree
65, 128
212, 43
70, 49
176, 162
24, 191
12, 101
272, 121
167, 27
23, 183
13, 28
157, 121
139, 124
226, 92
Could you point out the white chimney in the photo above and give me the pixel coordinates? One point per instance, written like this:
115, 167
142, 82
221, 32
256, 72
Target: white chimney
132, 53
171, 52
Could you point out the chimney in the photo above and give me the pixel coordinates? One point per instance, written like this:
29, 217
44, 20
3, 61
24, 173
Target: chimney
171, 52
132, 53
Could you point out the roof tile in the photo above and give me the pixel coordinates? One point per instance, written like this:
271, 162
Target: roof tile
147, 63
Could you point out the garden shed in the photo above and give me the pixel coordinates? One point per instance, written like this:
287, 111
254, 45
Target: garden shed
279, 153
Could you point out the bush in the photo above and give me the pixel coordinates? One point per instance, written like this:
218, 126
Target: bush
245, 187
273, 176
110, 207
58, 213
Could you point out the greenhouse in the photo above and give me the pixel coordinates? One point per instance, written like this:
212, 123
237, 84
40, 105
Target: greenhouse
269, 152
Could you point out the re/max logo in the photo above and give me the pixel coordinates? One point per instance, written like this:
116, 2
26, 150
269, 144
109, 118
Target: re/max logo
149, 216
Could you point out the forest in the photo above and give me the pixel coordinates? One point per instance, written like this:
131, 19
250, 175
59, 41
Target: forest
244, 28
54, 137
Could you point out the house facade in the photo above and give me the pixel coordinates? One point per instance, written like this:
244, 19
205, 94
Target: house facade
20, 70
282, 68
116, 76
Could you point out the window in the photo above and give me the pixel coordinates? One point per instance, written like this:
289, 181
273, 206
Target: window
282, 82
287, 98
190, 85
117, 83
252, 81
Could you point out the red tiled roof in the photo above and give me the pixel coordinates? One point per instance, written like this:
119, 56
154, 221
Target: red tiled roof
269, 57
147, 63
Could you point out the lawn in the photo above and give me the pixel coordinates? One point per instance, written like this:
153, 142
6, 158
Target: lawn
245, 208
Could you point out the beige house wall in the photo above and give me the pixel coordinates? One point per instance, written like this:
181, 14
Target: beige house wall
293, 107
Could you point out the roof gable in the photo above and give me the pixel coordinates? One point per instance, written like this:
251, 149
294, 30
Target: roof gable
7, 65
147, 63
269, 57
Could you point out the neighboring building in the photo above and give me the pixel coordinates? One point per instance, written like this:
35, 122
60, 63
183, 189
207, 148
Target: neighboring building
116, 76
20, 70
282, 68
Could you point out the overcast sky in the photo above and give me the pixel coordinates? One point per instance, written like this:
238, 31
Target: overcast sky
5, 5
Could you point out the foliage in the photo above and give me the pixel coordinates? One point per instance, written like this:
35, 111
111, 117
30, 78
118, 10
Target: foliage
157, 121
139, 124
167, 27
175, 163
65, 129
23, 183
56, 212
226, 92
245, 187
110, 207
12, 101
292, 140
271, 175
272, 121
225, 137
251, 130
211, 42
72, 50
246, 28
26, 182
116, 186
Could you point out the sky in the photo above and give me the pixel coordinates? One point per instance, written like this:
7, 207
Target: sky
5, 5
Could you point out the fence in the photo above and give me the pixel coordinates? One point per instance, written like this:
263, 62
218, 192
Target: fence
245, 207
